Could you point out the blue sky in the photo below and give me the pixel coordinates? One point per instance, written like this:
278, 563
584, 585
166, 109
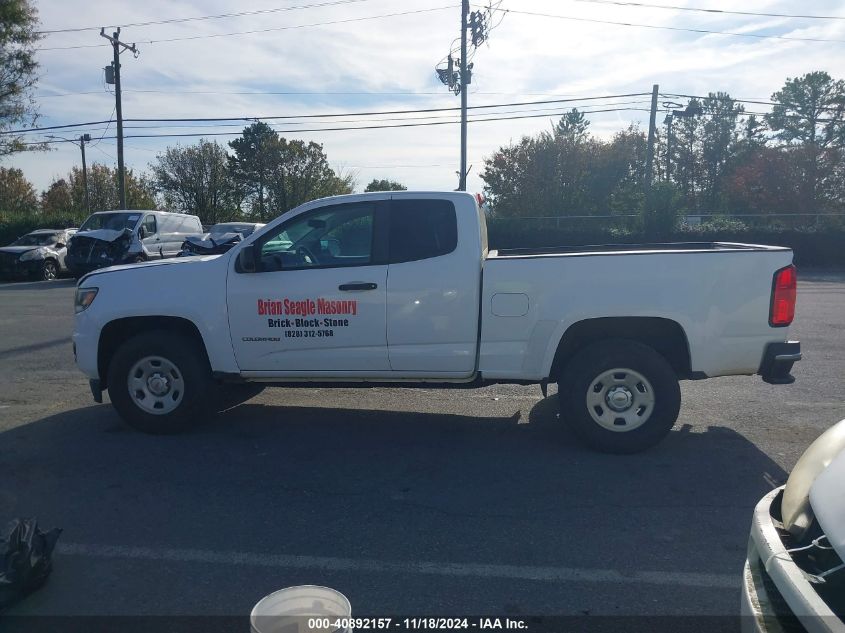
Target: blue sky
387, 64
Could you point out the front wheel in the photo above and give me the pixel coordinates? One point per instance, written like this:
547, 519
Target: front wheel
619, 396
160, 382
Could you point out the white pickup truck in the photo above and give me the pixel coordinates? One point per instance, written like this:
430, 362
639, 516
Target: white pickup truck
400, 289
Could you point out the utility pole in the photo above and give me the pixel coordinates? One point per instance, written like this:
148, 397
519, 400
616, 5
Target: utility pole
692, 109
118, 48
85, 138
649, 157
462, 183
480, 23
648, 211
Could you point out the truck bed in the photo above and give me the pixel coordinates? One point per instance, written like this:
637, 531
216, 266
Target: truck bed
630, 249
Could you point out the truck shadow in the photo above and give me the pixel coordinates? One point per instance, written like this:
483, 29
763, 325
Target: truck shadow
387, 485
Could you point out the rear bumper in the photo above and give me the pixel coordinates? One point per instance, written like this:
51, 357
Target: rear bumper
777, 362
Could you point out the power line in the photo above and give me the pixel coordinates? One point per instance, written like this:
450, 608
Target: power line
644, 5
330, 114
256, 31
547, 111
218, 16
673, 28
354, 128
52, 127
754, 101
299, 93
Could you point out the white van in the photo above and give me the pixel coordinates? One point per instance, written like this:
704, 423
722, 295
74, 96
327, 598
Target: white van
107, 238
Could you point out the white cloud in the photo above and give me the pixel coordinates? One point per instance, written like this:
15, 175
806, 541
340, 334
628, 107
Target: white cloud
526, 57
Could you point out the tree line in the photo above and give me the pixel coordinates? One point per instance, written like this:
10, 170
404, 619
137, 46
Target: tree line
712, 157
263, 176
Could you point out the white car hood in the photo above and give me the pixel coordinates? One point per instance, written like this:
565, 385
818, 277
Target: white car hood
174, 261
19, 250
827, 498
106, 235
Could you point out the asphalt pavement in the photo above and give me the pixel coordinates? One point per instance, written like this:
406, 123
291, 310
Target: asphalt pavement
436, 502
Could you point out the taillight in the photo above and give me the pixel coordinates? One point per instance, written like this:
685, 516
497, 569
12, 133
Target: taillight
783, 297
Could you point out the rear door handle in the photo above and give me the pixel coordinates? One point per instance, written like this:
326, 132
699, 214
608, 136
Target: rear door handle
357, 286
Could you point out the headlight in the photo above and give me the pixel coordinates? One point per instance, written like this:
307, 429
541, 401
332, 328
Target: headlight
795, 506
33, 254
84, 298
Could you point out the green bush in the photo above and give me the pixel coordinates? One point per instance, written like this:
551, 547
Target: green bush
719, 224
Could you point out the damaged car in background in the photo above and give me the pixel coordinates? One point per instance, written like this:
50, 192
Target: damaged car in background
37, 255
40, 254
108, 238
219, 239
794, 577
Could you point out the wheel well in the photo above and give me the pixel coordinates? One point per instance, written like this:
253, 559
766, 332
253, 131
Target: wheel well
665, 336
116, 332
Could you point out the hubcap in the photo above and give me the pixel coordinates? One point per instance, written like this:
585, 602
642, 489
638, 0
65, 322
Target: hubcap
49, 271
620, 400
156, 385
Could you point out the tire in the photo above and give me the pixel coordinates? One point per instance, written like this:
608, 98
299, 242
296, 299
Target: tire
170, 381
231, 395
49, 270
619, 396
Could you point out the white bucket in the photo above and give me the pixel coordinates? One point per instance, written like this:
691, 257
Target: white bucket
301, 609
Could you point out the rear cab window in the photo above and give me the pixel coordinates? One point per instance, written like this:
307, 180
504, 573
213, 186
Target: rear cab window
421, 229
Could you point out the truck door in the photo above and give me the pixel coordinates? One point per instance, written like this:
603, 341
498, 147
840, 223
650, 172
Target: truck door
433, 288
317, 302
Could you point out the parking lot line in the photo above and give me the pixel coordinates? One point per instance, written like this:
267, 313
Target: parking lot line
473, 570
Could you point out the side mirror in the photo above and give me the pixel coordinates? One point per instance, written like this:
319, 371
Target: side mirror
247, 260
142, 232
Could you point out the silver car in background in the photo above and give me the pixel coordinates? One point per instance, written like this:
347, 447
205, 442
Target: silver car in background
37, 255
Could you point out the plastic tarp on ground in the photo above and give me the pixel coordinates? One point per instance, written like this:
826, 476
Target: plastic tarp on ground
25, 559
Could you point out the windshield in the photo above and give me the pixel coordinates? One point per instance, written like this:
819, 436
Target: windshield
113, 221
36, 239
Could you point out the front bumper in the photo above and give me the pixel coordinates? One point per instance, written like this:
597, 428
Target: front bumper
777, 595
16, 269
80, 267
777, 362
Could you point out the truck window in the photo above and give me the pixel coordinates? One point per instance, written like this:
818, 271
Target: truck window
327, 238
420, 229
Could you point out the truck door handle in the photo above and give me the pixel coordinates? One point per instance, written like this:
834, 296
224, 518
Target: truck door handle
357, 286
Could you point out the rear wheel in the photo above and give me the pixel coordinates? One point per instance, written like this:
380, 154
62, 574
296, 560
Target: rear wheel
619, 396
49, 270
159, 382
